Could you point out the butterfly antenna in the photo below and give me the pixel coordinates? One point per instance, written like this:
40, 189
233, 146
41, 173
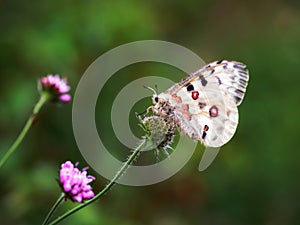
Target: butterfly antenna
155, 86
151, 89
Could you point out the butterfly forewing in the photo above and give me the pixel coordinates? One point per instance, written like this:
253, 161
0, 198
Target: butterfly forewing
231, 76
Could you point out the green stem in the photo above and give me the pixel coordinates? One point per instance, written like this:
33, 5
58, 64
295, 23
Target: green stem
54, 207
44, 98
107, 187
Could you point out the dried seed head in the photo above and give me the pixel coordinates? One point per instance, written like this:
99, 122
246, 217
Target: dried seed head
160, 131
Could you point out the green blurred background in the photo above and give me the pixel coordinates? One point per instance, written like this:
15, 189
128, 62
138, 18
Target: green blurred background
255, 178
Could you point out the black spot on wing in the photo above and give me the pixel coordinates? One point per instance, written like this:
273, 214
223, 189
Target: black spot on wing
204, 135
237, 99
243, 82
239, 66
243, 74
189, 87
239, 92
202, 105
220, 61
238, 96
203, 80
219, 80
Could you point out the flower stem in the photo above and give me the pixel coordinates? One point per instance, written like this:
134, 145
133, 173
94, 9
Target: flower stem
107, 187
54, 207
44, 97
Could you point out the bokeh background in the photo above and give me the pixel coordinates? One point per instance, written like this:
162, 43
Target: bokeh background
255, 178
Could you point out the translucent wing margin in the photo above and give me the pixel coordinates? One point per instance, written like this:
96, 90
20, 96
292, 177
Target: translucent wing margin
231, 76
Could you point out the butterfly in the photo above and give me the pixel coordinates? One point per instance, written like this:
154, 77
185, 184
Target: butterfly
203, 105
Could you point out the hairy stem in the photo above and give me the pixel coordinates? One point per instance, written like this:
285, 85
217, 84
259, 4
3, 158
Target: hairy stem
43, 99
54, 207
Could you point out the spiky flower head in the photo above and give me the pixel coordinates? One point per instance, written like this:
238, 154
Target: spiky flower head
159, 131
75, 183
56, 87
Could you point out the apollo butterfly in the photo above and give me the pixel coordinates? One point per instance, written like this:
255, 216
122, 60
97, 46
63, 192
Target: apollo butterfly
204, 104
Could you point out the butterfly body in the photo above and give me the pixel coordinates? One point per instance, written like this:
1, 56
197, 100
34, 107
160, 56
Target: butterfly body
204, 104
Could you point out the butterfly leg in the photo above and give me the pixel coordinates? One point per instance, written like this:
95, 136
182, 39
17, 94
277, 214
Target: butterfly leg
139, 115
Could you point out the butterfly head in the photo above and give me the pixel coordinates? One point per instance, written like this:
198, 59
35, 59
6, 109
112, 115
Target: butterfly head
159, 100
155, 99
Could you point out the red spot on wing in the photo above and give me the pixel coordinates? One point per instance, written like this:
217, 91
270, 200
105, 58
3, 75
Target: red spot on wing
213, 111
195, 95
206, 128
174, 95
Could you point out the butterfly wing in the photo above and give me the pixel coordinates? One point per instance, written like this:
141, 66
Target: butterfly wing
206, 101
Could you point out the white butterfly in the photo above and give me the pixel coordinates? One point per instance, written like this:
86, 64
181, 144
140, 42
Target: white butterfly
204, 104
